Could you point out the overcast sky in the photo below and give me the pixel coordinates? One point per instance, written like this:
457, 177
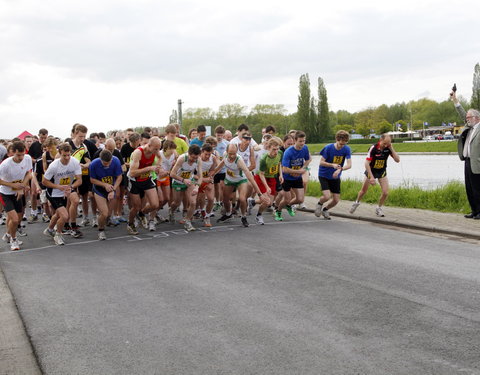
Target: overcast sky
112, 64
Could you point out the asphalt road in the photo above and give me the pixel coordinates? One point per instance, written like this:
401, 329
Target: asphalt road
306, 296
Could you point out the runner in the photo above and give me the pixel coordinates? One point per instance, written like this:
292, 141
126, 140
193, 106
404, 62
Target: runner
376, 168
206, 190
61, 178
270, 168
106, 176
141, 184
201, 135
219, 178
294, 164
169, 157
332, 162
15, 175
185, 185
48, 157
236, 179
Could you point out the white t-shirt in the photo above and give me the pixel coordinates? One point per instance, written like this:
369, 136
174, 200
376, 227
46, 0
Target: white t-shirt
62, 175
10, 171
236, 141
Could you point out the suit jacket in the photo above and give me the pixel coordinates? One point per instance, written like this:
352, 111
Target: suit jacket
474, 144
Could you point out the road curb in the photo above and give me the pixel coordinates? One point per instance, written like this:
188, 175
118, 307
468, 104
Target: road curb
402, 224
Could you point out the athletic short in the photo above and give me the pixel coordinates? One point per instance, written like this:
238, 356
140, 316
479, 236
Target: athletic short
378, 173
124, 182
219, 177
86, 185
57, 202
165, 181
178, 186
100, 191
139, 187
292, 184
271, 182
235, 183
333, 185
11, 203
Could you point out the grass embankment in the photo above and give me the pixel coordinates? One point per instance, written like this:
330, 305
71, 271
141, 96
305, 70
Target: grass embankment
399, 147
448, 198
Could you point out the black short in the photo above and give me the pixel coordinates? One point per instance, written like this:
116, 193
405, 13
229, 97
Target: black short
279, 185
124, 182
218, 177
57, 202
11, 203
377, 173
292, 184
86, 185
332, 185
139, 187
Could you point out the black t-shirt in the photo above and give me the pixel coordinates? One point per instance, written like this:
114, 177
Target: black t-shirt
377, 157
126, 152
36, 150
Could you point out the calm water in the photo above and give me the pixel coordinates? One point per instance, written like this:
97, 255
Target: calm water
426, 171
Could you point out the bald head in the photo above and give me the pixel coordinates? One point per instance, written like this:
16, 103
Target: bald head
110, 144
154, 144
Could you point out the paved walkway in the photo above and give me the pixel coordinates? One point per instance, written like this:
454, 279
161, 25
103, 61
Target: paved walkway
432, 221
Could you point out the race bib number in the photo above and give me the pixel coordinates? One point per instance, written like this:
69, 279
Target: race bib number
85, 171
296, 167
205, 174
144, 175
273, 169
379, 164
108, 180
337, 159
185, 174
230, 173
65, 181
17, 182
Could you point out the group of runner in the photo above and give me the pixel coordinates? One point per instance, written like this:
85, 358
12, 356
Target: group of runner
150, 173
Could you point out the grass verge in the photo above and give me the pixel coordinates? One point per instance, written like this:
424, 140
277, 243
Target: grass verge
447, 198
399, 147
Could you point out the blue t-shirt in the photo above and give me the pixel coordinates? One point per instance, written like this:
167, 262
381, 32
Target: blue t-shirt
294, 159
105, 174
196, 141
332, 155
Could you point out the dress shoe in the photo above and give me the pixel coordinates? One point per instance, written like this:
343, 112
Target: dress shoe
476, 217
469, 216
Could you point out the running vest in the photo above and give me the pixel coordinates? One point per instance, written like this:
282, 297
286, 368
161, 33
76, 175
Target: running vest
144, 162
206, 165
245, 155
186, 170
167, 163
234, 173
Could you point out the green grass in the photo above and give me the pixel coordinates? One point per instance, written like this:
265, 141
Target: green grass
399, 147
448, 198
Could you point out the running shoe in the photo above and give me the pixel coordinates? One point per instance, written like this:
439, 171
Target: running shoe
278, 216
379, 211
217, 206
94, 222
151, 226
3, 220
113, 221
290, 210
171, 216
301, 206
131, 229
206, 222
14, 244
58, 238
75, 233
85, 221
244, 221
144, 221
326, 214
49, 232
188, 226
102, 236
251, 204
21, 231
318, 209
224, 218
121, 219
32, 219
45, 218
354, 207
182, 220
6, 237
259, 220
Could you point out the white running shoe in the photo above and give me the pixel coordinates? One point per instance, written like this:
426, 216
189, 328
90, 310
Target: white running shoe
6, 237
250, 205
318, 210
21, 231
49, 232
151, 226
325, 214
259, 220
58, 238
102, 236
354, 207
85, 221
94, 222
144, 222
206, 222
379, 211
131, 229
14, 244
188, 226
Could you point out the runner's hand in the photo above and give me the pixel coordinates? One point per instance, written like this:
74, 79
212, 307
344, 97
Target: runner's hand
111, 195
372, 181
336, 173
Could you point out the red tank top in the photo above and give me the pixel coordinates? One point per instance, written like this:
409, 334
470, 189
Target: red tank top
144, 162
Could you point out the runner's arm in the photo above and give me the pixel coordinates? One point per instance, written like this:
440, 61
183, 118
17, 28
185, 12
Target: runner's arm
135, 163
394, 154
